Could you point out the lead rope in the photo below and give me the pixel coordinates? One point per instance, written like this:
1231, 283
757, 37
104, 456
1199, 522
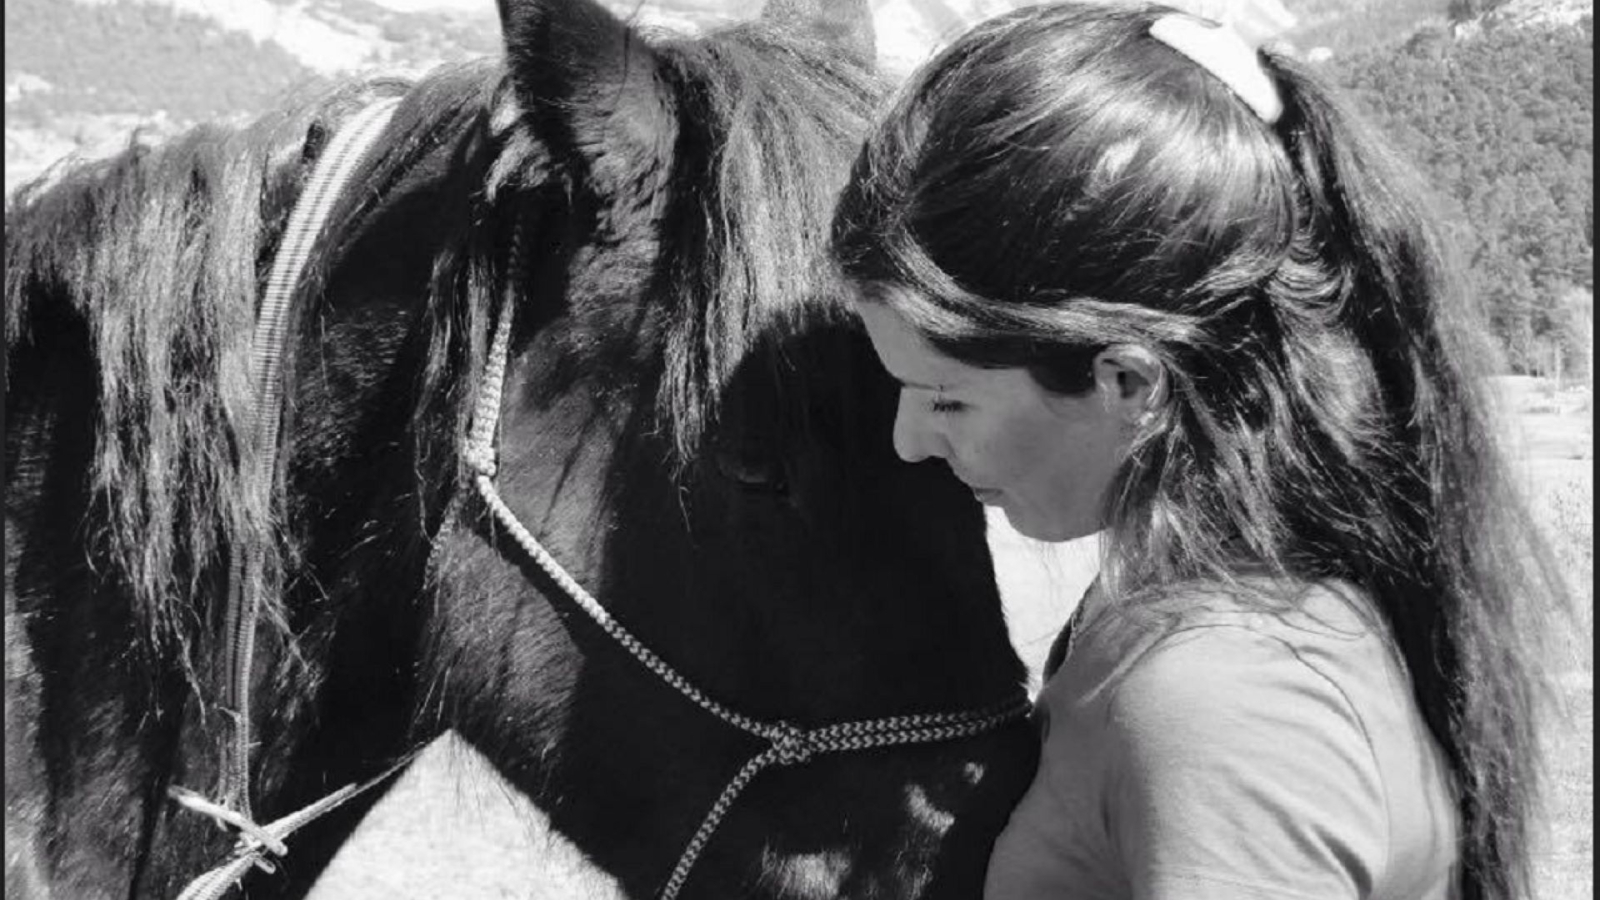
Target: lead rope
788, 744
262, 418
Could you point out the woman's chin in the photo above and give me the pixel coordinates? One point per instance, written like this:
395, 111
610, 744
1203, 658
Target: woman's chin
1040, 528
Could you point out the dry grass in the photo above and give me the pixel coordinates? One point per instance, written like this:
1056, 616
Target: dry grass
1557, 469
1566, 854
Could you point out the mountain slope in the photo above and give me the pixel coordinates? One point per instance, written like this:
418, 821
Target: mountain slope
1501, 123
133, 58
81, 75
1345, 26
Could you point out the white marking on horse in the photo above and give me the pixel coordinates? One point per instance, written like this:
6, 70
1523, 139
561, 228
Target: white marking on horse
805, 876
453, 827
925, 813
972, 772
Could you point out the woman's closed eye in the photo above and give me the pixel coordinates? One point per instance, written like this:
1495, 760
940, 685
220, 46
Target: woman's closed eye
945, 406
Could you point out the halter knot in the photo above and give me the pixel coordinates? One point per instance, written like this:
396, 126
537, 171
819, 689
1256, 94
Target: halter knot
228, 818
793, 745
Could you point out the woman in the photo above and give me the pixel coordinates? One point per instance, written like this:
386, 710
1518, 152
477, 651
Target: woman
1136, 275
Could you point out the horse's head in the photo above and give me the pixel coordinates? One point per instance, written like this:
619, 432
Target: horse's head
695, 427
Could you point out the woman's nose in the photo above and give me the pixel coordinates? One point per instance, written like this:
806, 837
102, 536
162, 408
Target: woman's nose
914, 440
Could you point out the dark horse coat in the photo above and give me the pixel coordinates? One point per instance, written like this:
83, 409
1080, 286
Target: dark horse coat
693, 424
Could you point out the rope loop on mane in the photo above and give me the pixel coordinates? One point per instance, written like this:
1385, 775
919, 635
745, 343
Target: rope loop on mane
345, 153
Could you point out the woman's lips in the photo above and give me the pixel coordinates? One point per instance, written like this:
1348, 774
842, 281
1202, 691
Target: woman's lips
990, 496
987, 496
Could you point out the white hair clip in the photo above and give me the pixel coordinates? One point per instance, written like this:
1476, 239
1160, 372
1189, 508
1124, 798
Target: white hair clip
1223, 52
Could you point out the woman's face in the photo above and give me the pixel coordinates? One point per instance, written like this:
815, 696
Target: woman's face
1047, 460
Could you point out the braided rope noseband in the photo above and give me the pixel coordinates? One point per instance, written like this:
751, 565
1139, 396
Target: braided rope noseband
788, 744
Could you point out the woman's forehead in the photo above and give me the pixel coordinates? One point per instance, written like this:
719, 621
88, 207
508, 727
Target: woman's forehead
909, 357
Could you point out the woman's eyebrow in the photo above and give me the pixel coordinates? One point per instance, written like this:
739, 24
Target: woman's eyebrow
919, 385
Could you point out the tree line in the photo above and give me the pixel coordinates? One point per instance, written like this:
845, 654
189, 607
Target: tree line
1502, 125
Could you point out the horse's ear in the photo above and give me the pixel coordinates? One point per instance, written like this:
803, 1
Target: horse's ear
586, 78
846, 24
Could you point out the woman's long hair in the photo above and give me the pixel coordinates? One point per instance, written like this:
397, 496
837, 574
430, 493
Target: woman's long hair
1058, 181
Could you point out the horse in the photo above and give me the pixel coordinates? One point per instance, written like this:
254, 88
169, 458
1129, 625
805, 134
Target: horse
689, 419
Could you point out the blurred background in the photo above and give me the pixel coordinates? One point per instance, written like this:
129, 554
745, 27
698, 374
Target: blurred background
1491, 99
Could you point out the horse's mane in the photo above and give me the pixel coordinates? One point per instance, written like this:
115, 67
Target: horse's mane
152, 255
155, 256
158, 253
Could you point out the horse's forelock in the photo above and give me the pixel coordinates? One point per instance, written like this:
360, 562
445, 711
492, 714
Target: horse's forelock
783, 116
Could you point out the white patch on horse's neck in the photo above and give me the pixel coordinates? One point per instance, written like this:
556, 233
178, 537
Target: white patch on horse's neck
452, 827
925, 813
805, 876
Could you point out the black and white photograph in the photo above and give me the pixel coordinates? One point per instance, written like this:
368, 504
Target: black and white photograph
799, 449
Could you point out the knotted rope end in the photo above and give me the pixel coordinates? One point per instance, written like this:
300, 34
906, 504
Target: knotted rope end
227, 819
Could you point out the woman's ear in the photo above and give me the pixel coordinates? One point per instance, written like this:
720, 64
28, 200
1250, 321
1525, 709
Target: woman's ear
1131, 382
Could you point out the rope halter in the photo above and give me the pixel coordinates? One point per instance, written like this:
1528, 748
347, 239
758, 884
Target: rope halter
787, 744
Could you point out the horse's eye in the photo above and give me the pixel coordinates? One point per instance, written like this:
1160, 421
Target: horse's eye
752, 471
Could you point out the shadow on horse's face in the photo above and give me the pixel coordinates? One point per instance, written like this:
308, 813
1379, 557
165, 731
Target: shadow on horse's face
828, 579
794, 570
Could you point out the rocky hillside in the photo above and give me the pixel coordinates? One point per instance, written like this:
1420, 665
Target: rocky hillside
80, 73
1526, 13
1337, 27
